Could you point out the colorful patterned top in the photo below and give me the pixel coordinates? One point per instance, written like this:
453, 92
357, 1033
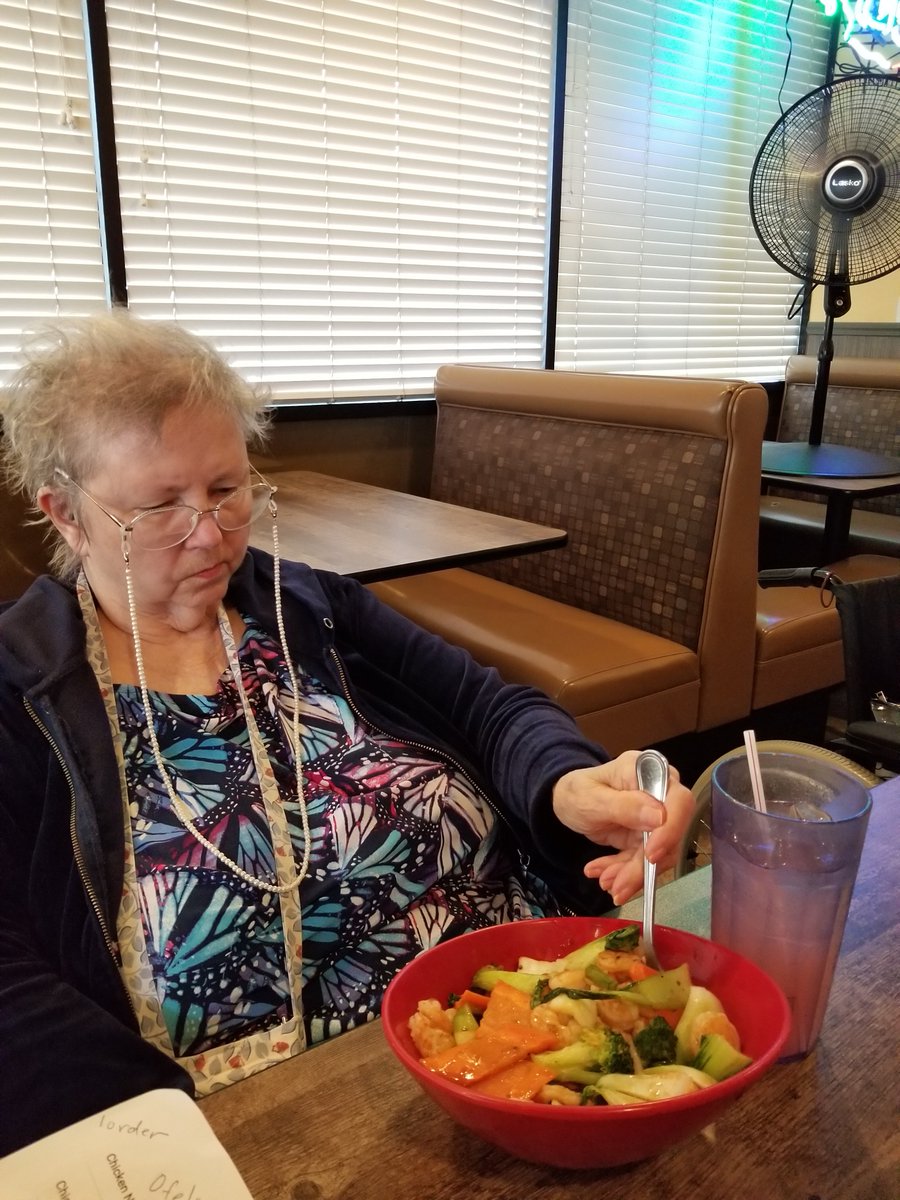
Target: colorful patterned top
406, 852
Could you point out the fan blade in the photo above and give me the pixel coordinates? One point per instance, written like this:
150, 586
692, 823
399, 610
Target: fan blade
825, 185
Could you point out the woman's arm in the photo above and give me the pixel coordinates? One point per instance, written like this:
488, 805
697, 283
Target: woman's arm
520, 739
68, 1044
62, 1056
570, 797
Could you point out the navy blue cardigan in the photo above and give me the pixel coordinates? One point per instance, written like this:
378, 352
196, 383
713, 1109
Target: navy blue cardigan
69, 1044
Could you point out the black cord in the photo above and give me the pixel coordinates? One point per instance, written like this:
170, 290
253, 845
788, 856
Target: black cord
803, 293
787, 61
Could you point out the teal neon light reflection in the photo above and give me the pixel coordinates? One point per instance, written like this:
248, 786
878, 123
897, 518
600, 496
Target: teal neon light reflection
867, 16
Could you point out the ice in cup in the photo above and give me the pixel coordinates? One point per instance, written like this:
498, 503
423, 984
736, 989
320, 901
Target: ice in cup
782, 880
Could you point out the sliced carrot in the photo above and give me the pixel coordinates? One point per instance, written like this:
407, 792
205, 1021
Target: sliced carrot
670, 1015
477, 1001
522, 1081
639, 970
506, 1006
486, 1054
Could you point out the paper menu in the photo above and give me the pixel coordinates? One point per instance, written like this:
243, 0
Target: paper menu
157, 1146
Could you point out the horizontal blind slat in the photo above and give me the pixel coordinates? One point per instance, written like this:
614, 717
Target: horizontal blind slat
377, 170
660, 268
52, 263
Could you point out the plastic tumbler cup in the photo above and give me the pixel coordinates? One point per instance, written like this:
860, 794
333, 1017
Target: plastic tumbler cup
782, 880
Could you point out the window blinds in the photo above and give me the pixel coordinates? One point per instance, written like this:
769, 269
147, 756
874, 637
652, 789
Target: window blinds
48, 201
660, 269
342, 194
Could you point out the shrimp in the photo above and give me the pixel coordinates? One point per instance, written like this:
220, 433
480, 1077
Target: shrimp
712, 1022
561, 1025
430, 1028
617, 963
568, 979
618, 1014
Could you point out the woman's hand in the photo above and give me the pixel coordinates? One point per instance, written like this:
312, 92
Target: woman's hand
605, 804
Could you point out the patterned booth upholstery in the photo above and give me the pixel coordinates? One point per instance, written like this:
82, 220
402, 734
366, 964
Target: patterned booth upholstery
643, 625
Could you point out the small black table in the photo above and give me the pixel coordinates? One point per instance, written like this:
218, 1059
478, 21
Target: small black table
840, 493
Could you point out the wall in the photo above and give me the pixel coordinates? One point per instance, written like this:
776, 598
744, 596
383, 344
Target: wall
870, 329
870, 303
391, 450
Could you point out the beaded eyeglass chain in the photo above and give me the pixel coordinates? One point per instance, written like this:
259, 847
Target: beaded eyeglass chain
261, 760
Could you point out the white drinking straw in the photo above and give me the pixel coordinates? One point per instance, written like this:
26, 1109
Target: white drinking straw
756, 782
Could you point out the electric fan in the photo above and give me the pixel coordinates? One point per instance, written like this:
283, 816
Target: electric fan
825, 204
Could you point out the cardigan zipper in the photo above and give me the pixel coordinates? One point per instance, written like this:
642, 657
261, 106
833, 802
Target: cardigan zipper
73, 837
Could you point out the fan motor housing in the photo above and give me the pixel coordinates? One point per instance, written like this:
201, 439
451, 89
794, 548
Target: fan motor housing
851, 184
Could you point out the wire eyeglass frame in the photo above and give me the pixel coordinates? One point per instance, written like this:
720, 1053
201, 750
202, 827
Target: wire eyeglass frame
127, 528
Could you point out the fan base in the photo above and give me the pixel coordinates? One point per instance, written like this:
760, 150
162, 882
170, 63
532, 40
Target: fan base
839, 462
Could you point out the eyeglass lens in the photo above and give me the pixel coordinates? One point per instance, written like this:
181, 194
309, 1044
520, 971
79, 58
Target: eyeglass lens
161, 528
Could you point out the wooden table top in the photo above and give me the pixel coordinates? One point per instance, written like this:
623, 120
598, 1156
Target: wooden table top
345, 1122
374, 533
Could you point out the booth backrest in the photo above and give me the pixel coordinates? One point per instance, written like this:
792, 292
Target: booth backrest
23, 549
655, 480
862, 410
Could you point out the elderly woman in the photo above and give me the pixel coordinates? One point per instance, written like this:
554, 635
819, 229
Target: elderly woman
237, 794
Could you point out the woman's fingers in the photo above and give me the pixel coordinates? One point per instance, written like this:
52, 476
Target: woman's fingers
604, 804
620, 874
664, 843
588, 803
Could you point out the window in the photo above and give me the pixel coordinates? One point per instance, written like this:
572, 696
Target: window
666, 105
48, 204
342, 194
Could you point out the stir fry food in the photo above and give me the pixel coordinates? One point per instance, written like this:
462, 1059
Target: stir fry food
597, 1026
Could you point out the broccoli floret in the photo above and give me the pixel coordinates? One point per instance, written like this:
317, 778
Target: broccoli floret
611, 1052
655, 1043
598, 1051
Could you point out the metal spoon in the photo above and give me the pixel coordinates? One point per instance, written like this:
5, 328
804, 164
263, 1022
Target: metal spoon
653, 777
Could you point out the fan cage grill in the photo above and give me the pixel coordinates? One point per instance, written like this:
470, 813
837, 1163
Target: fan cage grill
856, 117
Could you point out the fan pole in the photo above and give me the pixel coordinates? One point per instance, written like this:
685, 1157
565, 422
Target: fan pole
836, 303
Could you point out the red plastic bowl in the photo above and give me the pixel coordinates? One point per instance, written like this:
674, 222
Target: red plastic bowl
563, 1136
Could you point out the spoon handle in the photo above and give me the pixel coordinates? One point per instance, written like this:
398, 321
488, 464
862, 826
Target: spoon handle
653, 777
652, 770
649, 910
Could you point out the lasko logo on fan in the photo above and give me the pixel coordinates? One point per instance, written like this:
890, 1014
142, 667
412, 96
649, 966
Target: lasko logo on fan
847, 182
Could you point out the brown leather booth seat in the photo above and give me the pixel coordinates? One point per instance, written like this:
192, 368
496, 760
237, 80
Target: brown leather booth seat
863, 411
619, 681
643, 625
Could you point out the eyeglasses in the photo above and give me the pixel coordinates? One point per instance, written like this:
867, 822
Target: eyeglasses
163, 528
